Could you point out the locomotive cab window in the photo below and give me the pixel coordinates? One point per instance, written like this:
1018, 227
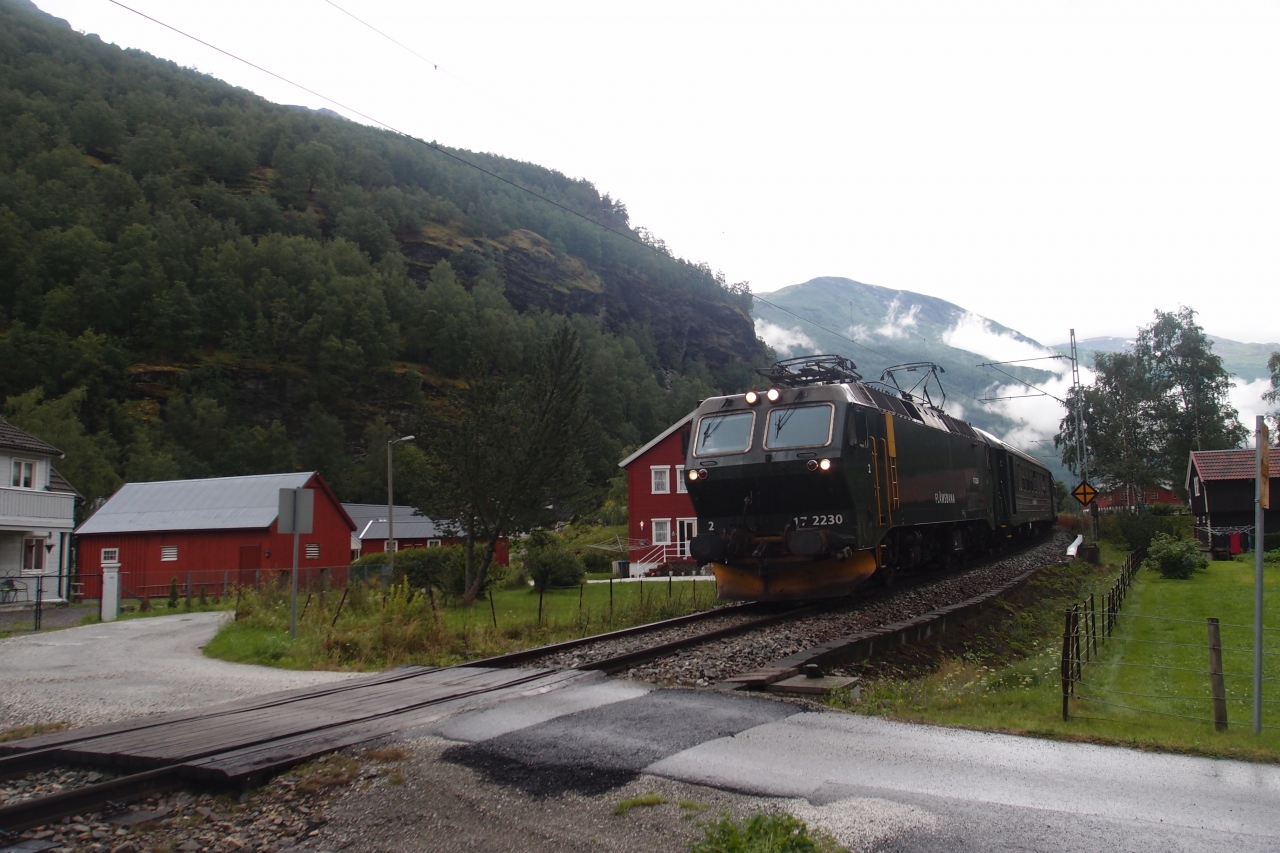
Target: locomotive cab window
858, 432
799, 426
724, 434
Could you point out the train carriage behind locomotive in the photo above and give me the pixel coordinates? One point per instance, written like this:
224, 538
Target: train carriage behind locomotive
808, 488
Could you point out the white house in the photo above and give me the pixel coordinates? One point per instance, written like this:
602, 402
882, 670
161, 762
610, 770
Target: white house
37, 515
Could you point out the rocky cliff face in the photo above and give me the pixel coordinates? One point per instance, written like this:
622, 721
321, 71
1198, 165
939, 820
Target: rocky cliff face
685, 325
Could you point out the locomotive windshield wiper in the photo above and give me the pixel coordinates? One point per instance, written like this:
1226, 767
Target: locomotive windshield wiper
782, 422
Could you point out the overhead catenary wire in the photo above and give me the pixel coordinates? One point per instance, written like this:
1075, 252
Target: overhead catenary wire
393, 129
437, 147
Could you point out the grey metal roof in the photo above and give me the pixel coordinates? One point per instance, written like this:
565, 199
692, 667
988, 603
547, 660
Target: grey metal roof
362, 514
219, 503
12, 438
417, 527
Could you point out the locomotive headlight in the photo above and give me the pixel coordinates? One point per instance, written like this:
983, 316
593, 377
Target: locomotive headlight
812, 464
773, 394
752, 398
825, 464
702, 473
693, 473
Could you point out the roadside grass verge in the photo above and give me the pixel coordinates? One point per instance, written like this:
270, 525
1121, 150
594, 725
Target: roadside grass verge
378, 628
1000, 670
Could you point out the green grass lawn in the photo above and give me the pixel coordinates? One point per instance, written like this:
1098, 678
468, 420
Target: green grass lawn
1005, 675
374, 630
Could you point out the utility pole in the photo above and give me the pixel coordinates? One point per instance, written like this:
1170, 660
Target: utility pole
1262, 492
391, 508
1082, 447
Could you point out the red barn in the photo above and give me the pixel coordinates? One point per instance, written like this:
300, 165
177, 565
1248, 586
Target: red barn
412, 531
1145, 496
210, 533
659, 513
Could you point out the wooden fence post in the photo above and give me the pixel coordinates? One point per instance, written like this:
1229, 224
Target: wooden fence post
1066, 665
1216, 684
1075, 643
1093, 625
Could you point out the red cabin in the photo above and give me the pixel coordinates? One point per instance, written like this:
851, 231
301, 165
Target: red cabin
660, 515
210, 534
412, 531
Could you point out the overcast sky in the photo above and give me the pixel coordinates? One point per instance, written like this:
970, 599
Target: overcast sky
1047, 165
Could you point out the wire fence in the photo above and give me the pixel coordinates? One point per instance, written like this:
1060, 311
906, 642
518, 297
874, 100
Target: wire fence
219, 583
1189, 680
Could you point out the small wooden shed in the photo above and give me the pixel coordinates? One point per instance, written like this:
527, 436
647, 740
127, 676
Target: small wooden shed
1221, 484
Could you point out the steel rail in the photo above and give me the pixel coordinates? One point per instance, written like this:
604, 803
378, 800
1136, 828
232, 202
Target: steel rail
627, 660
39, 811
526, 655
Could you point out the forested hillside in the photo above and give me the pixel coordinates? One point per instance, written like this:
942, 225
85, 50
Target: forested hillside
196, 282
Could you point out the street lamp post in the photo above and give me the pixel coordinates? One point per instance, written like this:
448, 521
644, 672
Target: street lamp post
391, 508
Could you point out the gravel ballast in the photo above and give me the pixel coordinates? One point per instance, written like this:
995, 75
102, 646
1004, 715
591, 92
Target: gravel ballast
719, 660
113, 671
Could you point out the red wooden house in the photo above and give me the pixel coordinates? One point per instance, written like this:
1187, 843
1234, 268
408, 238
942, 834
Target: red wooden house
210, 533
660, 515
412, 531
1144, 496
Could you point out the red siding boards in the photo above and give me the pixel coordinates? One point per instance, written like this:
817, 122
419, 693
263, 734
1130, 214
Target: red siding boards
648, 503
211, 558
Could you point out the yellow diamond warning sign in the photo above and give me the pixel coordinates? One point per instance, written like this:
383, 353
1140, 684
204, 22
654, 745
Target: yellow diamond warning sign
1084, 493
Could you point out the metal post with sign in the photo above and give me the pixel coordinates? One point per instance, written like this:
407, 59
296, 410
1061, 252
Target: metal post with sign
296, 515
1262, 488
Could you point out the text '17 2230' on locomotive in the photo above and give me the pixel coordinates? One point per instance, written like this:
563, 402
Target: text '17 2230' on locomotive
809, 487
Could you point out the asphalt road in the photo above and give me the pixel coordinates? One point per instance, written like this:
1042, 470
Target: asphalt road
877, 784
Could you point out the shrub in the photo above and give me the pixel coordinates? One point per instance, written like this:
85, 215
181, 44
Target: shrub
441, 568
1138, 529
550, 564
762, 833
1174, 558
1162, 509
173, 593
595, 560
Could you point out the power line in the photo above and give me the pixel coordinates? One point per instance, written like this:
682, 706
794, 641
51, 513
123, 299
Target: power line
434, 65
432, 145
436, 147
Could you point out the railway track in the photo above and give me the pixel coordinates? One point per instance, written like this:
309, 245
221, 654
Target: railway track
241, 757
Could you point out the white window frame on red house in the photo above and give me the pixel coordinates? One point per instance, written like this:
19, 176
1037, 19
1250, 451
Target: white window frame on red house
666, 527
168, 553
312, 550
653, 479
110, 556
682, 487
434, 543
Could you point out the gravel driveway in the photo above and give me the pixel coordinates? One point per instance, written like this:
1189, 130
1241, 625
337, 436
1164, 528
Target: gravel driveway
101, 673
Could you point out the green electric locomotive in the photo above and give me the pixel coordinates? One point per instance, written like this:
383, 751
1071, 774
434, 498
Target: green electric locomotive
811, 486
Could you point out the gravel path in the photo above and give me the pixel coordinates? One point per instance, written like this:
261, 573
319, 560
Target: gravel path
106, 672
722, 659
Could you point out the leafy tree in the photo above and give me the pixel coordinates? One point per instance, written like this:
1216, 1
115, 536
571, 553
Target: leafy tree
1192, 389
1273, 395
89, 458
509, 455
1148, 409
